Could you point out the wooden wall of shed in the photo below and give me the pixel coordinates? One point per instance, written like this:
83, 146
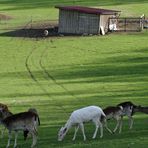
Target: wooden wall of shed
89, 23
104, 20
68, 22
78, 23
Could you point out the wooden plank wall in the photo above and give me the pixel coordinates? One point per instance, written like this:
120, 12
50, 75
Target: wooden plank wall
68, 22
78, 23
88, 23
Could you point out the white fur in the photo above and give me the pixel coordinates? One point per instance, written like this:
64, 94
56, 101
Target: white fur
78, 117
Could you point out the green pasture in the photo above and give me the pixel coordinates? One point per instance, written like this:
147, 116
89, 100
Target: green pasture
60, 74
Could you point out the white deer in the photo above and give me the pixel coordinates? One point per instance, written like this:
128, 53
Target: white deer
80, 116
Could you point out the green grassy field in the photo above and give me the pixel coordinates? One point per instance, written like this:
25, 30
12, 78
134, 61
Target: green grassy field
58, 75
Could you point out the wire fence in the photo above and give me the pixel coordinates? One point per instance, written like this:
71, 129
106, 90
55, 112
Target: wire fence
126, 24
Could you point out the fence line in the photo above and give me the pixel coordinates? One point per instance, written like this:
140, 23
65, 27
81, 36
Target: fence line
126, 24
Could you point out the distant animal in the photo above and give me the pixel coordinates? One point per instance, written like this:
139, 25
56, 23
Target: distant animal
114, 112
22, 121
129, 109
79, 117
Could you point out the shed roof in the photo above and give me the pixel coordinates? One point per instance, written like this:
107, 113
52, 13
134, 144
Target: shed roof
88, 10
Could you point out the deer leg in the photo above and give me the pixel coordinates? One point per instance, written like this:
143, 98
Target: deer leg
96, 130
34, 138
118, 119
130, 122
106, 126
121, 123
2, 132
101, 129
15, 143
82, 129
9, 139
76, 129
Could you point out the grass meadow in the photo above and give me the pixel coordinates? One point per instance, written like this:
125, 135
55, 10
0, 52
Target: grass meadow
60, 74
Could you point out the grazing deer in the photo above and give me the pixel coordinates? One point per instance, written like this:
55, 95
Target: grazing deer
7, 113
114, 112
21, 121
80, 116
129, 110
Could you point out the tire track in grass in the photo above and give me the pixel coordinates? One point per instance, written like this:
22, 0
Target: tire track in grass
21, 42
37, 82
49, 76
12, 39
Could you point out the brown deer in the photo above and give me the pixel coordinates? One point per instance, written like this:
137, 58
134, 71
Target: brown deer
129, 109
24, 121
114, 112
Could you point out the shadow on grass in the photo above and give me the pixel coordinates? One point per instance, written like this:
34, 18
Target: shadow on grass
31, 33
37, 33
95, 70
133, 70
113, 67
92, 94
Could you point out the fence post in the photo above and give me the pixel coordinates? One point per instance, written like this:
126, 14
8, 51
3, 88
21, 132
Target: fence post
141, 23
108, 24
31, 21
125, 25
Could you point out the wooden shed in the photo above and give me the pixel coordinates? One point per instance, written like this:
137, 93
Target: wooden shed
83, 20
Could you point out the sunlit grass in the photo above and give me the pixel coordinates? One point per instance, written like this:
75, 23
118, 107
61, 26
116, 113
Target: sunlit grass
68, 73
